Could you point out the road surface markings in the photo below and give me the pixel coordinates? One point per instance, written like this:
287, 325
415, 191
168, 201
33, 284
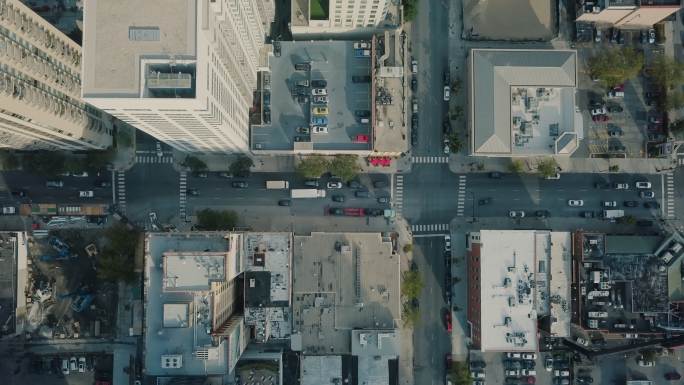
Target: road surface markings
183, 191
398, 198
670, 196
439, 227
429, 159
148, 159
680, 161
121, 191
460, 203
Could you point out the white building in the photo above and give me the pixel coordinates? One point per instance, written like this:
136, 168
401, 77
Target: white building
341, 16
40, 83
183, 71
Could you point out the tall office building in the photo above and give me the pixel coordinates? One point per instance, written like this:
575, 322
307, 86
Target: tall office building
340, 16
183, 71
40, 87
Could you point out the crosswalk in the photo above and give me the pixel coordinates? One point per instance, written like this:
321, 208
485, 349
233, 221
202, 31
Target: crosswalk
429, 159
399, 194
669, 204
147, 159
460, 202
183, 191
438, 227
121, 191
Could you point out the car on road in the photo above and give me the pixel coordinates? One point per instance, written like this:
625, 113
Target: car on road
447, 243
311, 183
284, 202
86, 194
651, 36
587, 214
334, 184
609, 204
643, 184
361, 79
354, 184
601, 185
338, 198
240, 184
645, 364
447, 320
362, 194
336, 211
575, 202
648, 194
652, 205
201, 175
379, 184
484, 201
54, 183
226, 175
541, 214
81, 364
631, 203
516, 214
319, 83
414, 66
319, 129
414, 83
621, 186
447, 93
383, 200
598, 110
671, 376
584, 380
495, 175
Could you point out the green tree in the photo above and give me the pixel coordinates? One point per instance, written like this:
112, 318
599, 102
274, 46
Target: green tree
410, 314
98, 160
459, 374
194, 163
241, 166
408, 248
412, 284
44, 162
455, 143
116, 259
516, 166
615, 66
312, 166
614, 168
345, 166
547, 167
667, 73
73, 164
10, 160
675, 100
124, 138
456, 113
215, 220
410, 9
677, 128
627, 220
456, 85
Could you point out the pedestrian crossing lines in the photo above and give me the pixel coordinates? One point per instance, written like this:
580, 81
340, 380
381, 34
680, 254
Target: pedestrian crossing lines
441, 227
153, 159
460, 203
429, 159
669, 204
121, 191
183, 191
399, 194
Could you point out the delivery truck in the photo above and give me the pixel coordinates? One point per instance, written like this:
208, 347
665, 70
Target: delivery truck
307, 193
277, 184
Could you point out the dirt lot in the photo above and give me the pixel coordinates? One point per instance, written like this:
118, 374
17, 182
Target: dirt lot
70, 280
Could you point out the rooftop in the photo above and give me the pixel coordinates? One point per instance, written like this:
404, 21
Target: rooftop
343, 281
632, 244
523, 101
510, 20
375, 349
193, 271
119, 37
321, 370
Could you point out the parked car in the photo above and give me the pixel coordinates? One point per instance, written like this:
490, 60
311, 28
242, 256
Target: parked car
651, 36
614, 108
513, 355
319, 129
621, 186
582, 341
334, 185
516, 214
645, 364
529, 356
447, 93
318, 91
541, 214
447, 243
414, 66
320, 110
303, 130
648, 194
284, 202
575, 202
362, 194
311, 183
598, 110
65, 366
81, 364
548, 363
609, 204
338, 198
302, 66
240, 184
73, 364
319, 83
86, 194
652, 205
320, 99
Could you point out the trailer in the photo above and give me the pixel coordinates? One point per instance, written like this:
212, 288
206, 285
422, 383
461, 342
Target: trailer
38, 209
277, 184
613, 214
354, 212
307, 193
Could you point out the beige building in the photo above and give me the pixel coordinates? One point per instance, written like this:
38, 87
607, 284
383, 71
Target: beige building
183, 71
40, 87
341, 16
627, 14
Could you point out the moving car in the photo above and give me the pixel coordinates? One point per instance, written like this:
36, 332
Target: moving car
334, 184
587, 214
284, 202
338, 198
647, 194
516, 214
575, 202
652, 205
86, 194
311, 183
192, 191
484, 201
447, 243
643, 184
631, 203
447, 93
362, 194
414, 66
240, 184
672, 376
319, 129
383, 200
609, 204
621, 186
54, 183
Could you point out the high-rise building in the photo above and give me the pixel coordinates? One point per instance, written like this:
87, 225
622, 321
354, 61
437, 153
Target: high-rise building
40, 87
183, 71
337, 16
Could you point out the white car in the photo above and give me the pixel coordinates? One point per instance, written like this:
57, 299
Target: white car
513, 355
529, 356
72, 364
643, 184
334, 185
319, 91
645, 363
414, 66
651, 36
575, 202
477, 374
65, 366
518, 214
512, 373
153, 216
561, 373
609, 204
159, 150
599, 111
86, 194
319, 129
647, 194
555, 176
9, 210
624, 186
447, 242
81, 364
447, 93
548, 364
582, 341
529, 372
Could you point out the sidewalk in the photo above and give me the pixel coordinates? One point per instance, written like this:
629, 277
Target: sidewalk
406, 334
467, 164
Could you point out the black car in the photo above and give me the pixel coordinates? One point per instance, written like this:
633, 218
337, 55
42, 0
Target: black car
613, 108
631, 203
446, 77
477, 365
541, 213
303, 66
414, 120
354, 184
587, 214
362, 194
584, 380
529, 364
338, 198
284, 202
495, 175
240, 184
21, 193
414, 138
102, 183
362, 113
319, 83
652, 205
192, 191
379, 184
414, 84
361, 79
484, 201
336, 211
375, 212
301, 138
311, 182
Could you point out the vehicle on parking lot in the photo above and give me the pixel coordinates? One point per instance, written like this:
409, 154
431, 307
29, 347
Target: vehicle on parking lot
621, 186
529, 356
302, 83
575, 202
600, 118
513, 355
561, 373
447, 93
9, 210
512, 372
652, 205
609, 204
73, 364
584, 380
319, 129
318, 121
598, 110
319, 83
647, 194
477, 365
630, 203
320, 110
303, 66
614, 108
601, 185
81, 364
311, 183
615, 131
616, 94
484, 201
284, 202
651, 36
319, 91
300, 138
548, 363
334, 185
541, 214
320, 99
528, 372
516, 214
303, 130
65, 366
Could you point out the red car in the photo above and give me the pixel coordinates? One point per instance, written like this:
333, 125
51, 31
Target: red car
361, 139
600, 118
447, 319
672, 376
530, 380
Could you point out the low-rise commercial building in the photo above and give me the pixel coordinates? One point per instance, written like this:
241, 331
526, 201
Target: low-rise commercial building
334, 17
627, 14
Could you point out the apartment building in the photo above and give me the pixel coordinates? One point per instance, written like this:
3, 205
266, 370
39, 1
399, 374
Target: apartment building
337, 16
183, 71
627, 14
40, 83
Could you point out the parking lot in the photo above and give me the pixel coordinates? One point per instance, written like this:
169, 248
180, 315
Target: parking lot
291, 102
521, 368
47, 369
617, 368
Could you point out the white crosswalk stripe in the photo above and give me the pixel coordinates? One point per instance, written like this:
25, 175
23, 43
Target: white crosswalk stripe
669, 196
148, 159
460, 198
399, 194
435, 227
121, 191
429, 159
183, 190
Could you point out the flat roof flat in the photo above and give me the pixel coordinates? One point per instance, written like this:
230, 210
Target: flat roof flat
117, 34
507, 263
321, 370
193, 271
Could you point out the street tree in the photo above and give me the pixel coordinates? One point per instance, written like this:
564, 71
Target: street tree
194, 163
116, 259
10, 160
516, 166
345, 166
44, 162
312, 166
98, 160
547, 167
675, 100
667, 72
241, 166
216, 220
410, 9
410, 314
412, 284
616, 65
459, 374
455, 143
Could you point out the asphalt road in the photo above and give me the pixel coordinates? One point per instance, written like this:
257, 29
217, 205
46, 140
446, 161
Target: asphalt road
37, 191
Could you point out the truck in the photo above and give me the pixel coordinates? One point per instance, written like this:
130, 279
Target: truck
306, 193
354, 212
613, 214
277, 184
38, 209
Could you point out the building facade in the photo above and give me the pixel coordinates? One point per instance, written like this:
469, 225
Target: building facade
40, 82
183, 71
309, 17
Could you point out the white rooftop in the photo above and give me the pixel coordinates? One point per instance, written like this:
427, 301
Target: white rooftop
193, 271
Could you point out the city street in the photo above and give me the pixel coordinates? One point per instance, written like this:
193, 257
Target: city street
34, 186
